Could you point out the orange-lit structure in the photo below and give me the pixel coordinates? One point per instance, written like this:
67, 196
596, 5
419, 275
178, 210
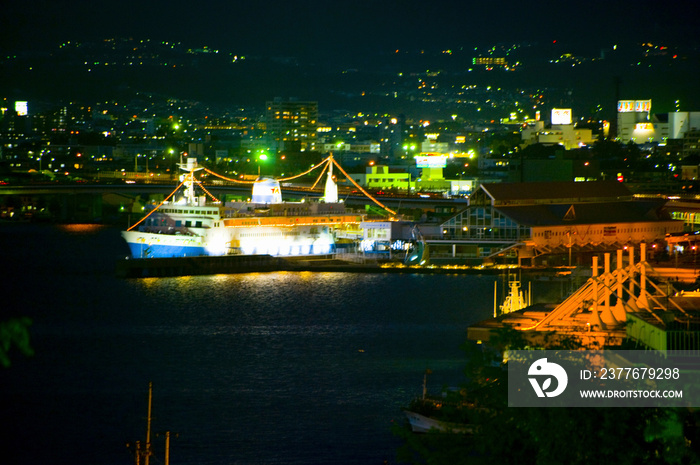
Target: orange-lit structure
630, 301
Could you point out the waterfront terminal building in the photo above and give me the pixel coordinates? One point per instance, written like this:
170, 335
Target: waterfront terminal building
551, 224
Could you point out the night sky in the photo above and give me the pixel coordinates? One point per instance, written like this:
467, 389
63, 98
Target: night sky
305, 27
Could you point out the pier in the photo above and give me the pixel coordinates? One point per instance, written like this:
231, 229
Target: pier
631, 302
230, 264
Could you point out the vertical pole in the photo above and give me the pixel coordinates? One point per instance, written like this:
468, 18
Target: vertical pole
495, 297
619, 275
594, 275
630, 269
147, 454
167, 448
619, 311
642, 301
605, 280
608, 315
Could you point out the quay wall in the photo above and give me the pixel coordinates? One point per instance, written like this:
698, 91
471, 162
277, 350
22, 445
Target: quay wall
229, 264
189, 266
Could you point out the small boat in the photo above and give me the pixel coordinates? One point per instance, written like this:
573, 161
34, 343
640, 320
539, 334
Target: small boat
439, 413
422, 424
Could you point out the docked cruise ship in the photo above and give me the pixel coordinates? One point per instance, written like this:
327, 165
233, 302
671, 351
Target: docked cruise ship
192, 226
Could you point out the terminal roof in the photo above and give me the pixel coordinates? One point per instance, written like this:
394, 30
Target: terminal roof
553, 192
587, 213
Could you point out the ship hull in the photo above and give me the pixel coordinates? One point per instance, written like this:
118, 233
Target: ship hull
147, 245
422, 424
302, 240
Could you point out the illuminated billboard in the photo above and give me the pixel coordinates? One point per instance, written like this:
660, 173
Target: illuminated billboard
431, 161
624, 106
561, 115
21, 108
637, 106
642, 106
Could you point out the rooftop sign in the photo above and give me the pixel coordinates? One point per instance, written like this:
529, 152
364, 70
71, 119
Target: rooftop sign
431, 161
561, 115
637, 106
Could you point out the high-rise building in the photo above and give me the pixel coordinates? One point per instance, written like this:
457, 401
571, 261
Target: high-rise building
291, 124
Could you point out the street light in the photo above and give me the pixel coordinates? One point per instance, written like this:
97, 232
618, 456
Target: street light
261, 158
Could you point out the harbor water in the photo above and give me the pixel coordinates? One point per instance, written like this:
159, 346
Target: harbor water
257, 368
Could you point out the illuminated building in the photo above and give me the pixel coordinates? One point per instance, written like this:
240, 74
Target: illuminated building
561, 132
551, 222
291, 124
690, 150
431, 177
636, 123
367, 147
691, 142
490, 62
431, 165
15, 123
432, 146
381, 178
21, 108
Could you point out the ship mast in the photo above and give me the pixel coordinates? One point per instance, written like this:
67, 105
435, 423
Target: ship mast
167, 448
145, 451
331, 190
188, 179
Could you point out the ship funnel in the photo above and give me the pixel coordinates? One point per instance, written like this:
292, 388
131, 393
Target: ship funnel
267, 190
